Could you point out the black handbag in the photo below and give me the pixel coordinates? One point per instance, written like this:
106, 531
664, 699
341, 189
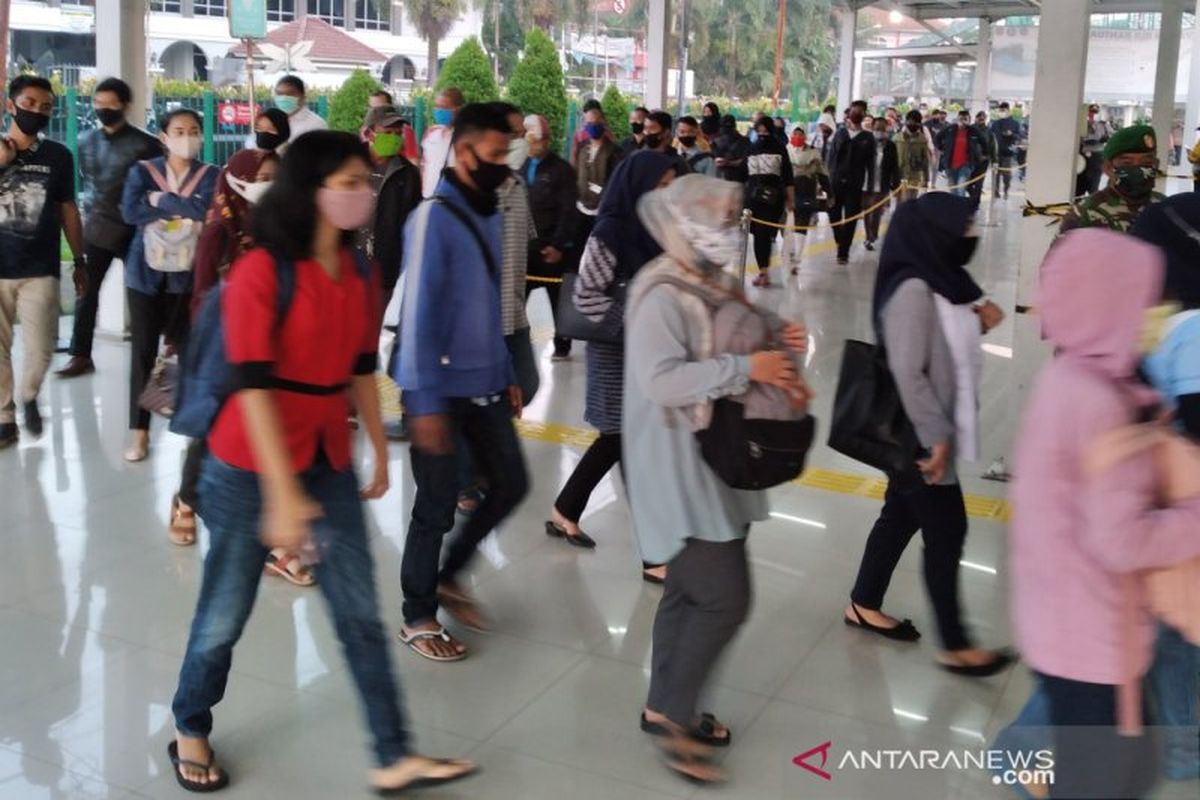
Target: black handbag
869, 422
754, 454
572, 324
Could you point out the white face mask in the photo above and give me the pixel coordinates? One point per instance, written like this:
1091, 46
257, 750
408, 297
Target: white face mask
250, 192
518, 151
185, 147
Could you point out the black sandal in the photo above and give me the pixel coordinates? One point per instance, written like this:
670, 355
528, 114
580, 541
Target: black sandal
196, 786
1001, 661
580, 539
426, 783
904, 632
705, 731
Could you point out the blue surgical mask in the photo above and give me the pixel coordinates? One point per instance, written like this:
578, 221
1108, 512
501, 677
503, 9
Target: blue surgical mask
594, 129
443, 116
287, 103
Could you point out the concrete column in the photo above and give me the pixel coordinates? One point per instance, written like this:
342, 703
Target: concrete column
121, 52
658, 44
981, 85
1169, 35
1053, 147
848, 24
1192, 117
919, 81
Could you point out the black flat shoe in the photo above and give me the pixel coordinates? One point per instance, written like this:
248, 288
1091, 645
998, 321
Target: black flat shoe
703, 732
580, 539
904, 632
1003, 659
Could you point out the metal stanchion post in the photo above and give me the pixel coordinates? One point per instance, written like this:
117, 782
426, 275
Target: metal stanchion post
745, 246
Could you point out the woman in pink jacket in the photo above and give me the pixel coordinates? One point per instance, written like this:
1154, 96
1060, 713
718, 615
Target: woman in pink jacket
1077, 539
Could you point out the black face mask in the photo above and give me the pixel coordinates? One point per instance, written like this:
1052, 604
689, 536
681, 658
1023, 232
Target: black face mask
687, 141
652, 141
637, 127
963, 250
110, 117
488, 176
710, 125
265, 140
914, 126
30, 123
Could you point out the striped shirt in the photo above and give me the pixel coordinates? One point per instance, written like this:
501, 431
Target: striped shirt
518, 232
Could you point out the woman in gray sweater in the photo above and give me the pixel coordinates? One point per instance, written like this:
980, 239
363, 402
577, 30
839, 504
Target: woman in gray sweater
930, 316
683, 514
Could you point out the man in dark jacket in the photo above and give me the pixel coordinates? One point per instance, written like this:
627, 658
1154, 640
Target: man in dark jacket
637, 131
552, 196
884, 181
1007, 133
105, 156
396, 183
851, 171
962, 149
731, 150
989, 157
934, 125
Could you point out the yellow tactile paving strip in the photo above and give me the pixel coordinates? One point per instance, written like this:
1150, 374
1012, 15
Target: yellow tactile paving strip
827, 480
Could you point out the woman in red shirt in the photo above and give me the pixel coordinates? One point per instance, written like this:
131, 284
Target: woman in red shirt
279, 470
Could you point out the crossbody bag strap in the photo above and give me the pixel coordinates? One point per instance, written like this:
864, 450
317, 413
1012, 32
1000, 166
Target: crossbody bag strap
470, 225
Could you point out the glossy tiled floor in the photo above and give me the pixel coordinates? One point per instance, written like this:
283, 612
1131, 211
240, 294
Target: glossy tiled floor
95, 606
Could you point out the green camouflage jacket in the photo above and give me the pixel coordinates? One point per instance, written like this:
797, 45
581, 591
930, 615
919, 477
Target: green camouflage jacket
1105, 209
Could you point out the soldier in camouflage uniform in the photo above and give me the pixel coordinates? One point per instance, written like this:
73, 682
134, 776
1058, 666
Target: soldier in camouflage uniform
1131, 164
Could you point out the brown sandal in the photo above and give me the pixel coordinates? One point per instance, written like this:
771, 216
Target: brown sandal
288, 566
182, 530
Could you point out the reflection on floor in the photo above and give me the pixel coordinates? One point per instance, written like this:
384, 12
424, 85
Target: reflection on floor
95, 606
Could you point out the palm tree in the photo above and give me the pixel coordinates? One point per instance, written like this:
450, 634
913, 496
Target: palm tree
433, 20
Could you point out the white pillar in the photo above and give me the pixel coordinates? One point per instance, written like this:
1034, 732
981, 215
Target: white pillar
1192, 115
981, 85
1169, 34
848, 23
658, 43
121, 53
1053, 147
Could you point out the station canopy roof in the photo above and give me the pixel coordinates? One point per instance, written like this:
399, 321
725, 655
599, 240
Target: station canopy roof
994, 9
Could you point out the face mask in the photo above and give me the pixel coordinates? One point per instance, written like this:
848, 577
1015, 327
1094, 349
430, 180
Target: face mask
110, 117
30, 123
487, 175
963, 250
725, 247
880, 135
185, 147
710, 125
250, 192
287, 104
856, 117
688, 141
652, 141
753, 136
347, 210
518, 152
387, 144
637, 127
595, 130
265, 140
797, 140
1135, 181
443, 116
1003, 115
914, 126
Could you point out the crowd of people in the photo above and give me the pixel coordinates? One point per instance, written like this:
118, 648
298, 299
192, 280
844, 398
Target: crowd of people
310, 246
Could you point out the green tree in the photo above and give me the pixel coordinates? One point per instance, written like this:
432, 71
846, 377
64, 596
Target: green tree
616, 111
537, 85
433, 19
510, 39
469, 70
348, 106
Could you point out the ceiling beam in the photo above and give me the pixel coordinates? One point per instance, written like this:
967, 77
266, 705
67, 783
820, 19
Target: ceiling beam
944, 9
945, 38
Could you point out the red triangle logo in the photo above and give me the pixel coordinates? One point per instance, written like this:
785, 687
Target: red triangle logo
802, 760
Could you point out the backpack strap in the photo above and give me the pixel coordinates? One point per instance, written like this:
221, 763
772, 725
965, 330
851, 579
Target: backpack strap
159, 180
190, 187
285, 287
470, 225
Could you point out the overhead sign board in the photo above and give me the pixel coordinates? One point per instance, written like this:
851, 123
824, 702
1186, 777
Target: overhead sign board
248, 19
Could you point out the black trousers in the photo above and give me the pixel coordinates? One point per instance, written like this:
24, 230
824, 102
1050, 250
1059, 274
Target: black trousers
847, 203
706, 599
975, 190
1002, 175
562, 345
1092, 760
83, 330
764, 235
151, 317
604, 453
941, 515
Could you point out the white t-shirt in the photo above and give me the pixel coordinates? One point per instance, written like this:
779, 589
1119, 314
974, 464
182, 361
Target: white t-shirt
436, 155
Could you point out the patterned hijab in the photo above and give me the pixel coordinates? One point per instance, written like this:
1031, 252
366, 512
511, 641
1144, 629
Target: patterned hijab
229, 209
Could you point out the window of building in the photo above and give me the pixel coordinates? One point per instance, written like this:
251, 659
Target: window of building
331, 11
208, 8
281, 10
372, 15
166, 6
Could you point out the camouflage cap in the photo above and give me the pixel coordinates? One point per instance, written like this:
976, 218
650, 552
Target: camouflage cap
1134, 139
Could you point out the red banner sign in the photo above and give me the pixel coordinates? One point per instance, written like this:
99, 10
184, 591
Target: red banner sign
231, 113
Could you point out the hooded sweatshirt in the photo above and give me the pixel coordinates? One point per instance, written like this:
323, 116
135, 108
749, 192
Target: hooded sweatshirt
1076, 540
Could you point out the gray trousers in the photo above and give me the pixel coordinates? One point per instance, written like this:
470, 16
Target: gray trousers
705, 600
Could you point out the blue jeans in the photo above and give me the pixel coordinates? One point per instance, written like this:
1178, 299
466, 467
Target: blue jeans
487, 430
1174, 682
1028, 733
231, 505
957, 177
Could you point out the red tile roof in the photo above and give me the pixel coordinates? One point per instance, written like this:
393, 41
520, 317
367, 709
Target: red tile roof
329, 43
